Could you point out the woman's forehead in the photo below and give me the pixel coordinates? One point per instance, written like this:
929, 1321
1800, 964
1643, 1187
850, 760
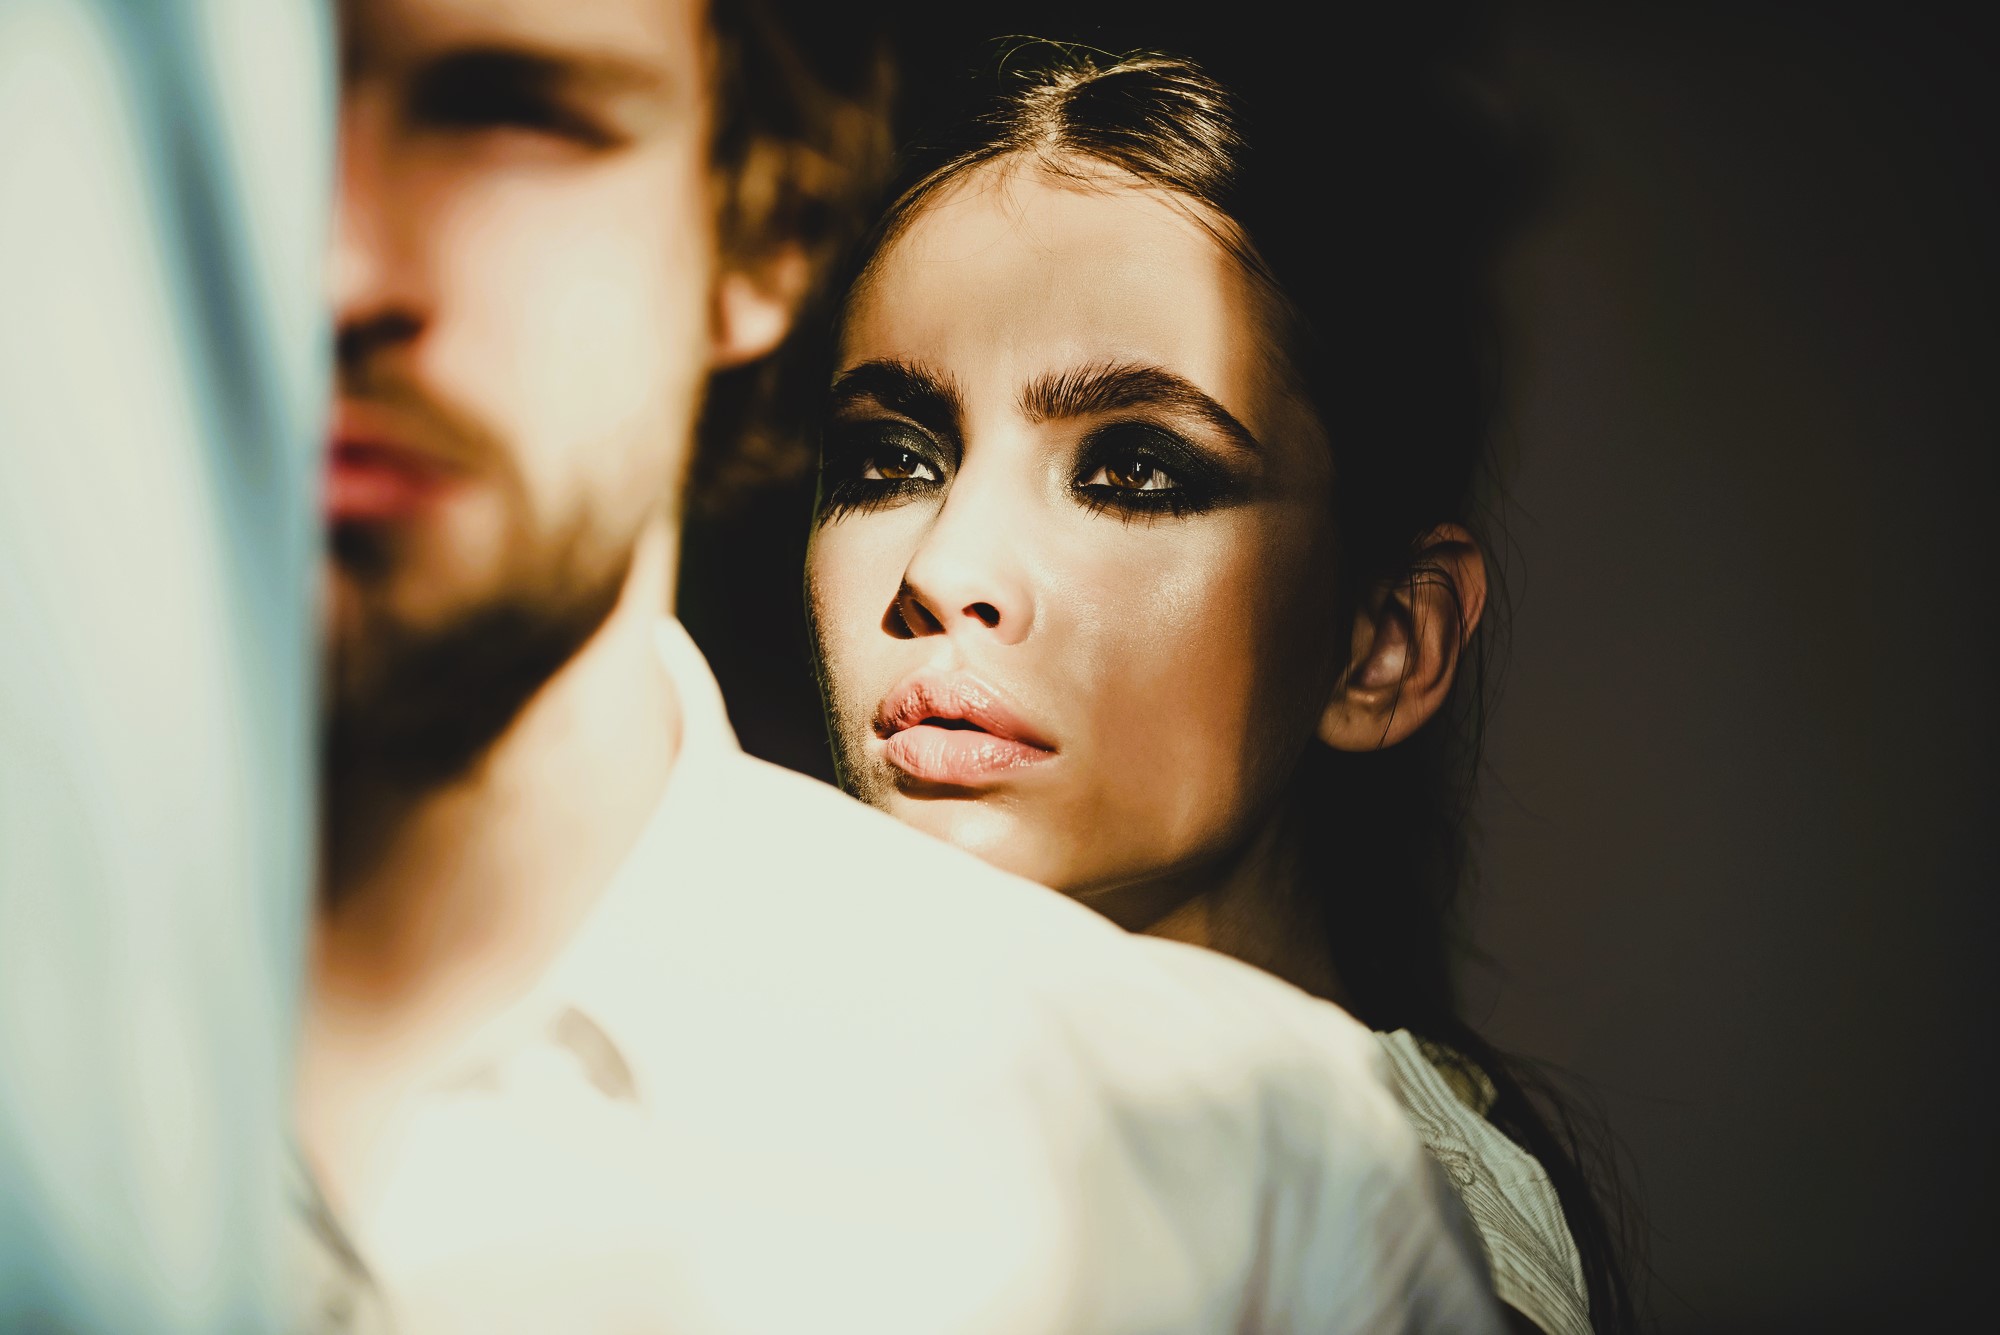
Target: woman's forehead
1065, 215
1014, 272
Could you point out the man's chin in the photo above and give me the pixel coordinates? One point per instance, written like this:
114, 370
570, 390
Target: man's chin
414, 706
343, 612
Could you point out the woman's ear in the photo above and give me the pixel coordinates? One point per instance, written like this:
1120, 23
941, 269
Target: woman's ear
755, 304
1409, 636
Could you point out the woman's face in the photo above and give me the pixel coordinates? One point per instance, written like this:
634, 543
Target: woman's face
1072, 579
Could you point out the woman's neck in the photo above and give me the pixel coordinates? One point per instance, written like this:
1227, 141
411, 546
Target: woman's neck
1249, 905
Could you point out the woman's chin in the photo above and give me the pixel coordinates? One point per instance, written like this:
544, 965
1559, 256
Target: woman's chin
994, 831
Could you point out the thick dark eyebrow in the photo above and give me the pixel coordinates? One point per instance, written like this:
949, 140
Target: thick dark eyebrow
927, 397
607, 80
1090, 391
582, 69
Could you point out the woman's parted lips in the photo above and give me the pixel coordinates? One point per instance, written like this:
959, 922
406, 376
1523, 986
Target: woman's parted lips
945, 698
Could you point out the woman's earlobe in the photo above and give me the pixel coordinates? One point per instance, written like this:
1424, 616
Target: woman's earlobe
1333, 726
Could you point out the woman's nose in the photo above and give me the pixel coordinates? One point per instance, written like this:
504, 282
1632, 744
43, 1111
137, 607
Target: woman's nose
968, 576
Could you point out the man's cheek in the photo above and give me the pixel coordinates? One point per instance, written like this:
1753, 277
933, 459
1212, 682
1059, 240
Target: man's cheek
600, 356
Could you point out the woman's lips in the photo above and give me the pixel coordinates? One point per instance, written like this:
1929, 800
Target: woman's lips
960, 757
956, 730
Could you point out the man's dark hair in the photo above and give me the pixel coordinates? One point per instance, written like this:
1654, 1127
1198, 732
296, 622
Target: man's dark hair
801, 148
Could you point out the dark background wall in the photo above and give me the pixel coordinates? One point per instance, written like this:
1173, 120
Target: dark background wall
1737, 869
1738, 853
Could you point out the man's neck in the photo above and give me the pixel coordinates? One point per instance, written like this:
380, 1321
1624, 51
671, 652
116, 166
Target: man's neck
443, 907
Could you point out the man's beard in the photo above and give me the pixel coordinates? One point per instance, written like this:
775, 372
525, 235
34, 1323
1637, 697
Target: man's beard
413, 708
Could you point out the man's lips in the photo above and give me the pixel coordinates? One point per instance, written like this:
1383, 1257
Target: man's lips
368, 480
956, 730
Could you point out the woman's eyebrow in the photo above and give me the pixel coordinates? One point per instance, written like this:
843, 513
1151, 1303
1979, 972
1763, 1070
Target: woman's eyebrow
926, 397
1090, 390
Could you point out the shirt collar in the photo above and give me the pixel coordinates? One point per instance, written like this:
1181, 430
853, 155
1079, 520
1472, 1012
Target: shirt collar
705, 726
594, 999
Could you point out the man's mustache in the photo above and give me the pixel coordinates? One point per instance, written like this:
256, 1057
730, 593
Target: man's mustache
391, 407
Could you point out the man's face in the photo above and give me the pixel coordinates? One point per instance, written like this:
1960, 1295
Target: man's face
523, 272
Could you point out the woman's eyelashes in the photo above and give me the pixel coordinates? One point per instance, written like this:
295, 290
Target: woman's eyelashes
1136, 470
1142, 470
868, 466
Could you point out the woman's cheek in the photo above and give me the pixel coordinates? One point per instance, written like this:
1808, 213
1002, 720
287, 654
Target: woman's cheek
1177, 683
844, 573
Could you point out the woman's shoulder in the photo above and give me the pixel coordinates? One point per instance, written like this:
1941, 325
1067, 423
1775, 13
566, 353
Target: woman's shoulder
1468, 1082
1505, 1190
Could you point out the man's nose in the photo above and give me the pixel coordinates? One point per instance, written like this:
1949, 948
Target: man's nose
369, 275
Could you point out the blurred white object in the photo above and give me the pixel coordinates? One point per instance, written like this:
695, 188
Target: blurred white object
805, 1069
164, 173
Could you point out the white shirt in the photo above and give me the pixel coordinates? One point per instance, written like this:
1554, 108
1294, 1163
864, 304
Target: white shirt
805, 1070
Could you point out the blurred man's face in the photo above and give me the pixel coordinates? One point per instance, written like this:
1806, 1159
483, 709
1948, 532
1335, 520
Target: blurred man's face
523, 271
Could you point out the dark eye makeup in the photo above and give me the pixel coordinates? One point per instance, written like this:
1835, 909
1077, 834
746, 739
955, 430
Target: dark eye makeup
1137, 470
871, 465
1143, 470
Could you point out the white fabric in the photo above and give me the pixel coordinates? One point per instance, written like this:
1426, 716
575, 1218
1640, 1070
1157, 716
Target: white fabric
1528, 1246
164, 179
805, 1069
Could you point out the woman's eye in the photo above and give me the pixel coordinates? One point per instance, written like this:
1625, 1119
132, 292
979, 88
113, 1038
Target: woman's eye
1139, 471
863, 468
1132, 473
896, 466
